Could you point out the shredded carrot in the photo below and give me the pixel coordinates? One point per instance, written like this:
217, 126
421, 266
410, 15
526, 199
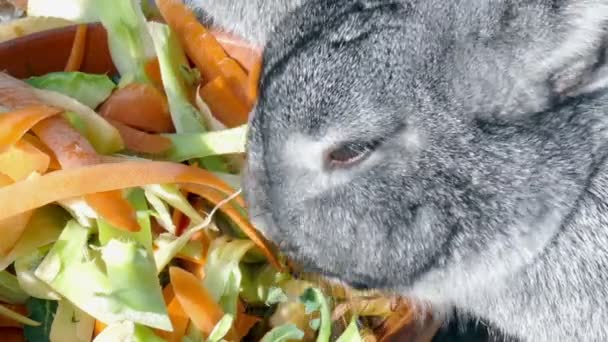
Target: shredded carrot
112, 206
73, 150
199, 44
70, 183
19, 161
10, 334
244, 322
152, 68
141, 106
246, 54
99, 327
16, 94
179, 319
35, 141
139, 141
5, 179
196, 301
237, 218
12, 227
223, 103
78, 48
236, 78
14, 124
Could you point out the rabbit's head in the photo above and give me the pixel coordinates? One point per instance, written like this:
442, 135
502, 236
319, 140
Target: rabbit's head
405, 143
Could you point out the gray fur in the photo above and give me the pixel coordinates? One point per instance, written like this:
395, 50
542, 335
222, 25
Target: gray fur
490, 191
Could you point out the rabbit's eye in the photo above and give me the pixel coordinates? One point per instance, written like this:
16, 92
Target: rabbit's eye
350, 153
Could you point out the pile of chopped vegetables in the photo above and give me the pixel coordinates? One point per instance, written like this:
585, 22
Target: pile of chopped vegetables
121, 217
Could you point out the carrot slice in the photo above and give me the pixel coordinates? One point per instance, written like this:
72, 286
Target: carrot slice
35, 141
112, 206
69, 146
246, 54
78, 48
73, 150
14, 124
243, 224
152, 68
139, 105
99, 327
223, 103
12, 227
199, 44
244, 322
63, 184
196, 301
5, 179
236, 77
139, 141
179, 319
15, 94
19, 161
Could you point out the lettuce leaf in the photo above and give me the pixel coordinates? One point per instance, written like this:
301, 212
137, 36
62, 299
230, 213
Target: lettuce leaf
10, 291
79, 11
314, 300
351, 334
221, 329
128, 38
71, 324
121, 286
200, 145
89, 89
283, 333
25, 266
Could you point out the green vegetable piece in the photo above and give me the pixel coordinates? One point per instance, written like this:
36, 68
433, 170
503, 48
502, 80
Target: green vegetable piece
108, 232
127, 332
221, 329
314, 300
188, 146
89, 89
172, 196
80, 11
286, 332
172, 59
351, 334
42, 311
125, 289
223, 275
128, 39
10, 291
71, 324
44, 227
25, 267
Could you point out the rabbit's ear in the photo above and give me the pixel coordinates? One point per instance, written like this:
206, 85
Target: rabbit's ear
579, 63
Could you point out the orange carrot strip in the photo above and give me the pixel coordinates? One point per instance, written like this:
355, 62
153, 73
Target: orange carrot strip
142, 106
35, 141
73, 150
244, 322
236, 77
112, 206
5, 180
11, 228
179, 319
22, 159
15, 94
70, 148
196, 301
14, 124
237, 218
152, 69
243, 52
139, 141
78, 48
223, 103
202, 48
58, 185
99, 327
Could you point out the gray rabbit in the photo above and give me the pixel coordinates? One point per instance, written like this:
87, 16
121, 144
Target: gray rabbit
453, 151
